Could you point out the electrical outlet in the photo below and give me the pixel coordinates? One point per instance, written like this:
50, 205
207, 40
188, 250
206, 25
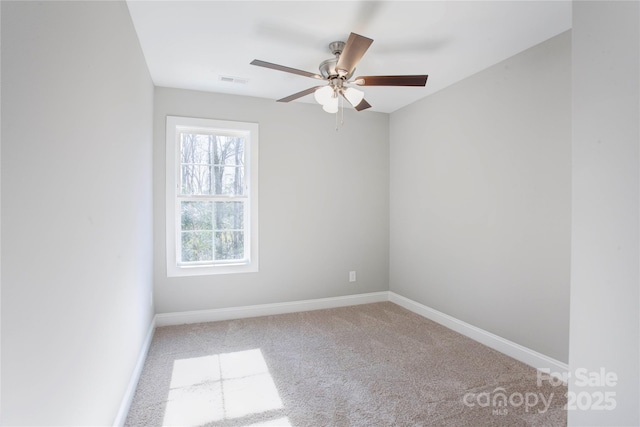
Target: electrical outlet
352, 276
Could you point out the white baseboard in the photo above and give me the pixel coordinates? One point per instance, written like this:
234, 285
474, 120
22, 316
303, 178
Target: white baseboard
135, 376
214, 315
517, 351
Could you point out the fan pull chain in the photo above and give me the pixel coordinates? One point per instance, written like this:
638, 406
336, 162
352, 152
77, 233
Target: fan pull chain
342, 117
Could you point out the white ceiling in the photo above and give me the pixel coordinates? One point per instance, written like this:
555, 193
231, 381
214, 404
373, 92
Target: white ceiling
191, 44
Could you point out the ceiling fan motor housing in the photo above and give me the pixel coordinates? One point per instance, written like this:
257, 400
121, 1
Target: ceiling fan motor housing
328, 67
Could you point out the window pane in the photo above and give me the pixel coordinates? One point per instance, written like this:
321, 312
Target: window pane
196, 148
229, 245
211, 164
230, 150
196, 215
197, 157
197, 246
231, 180
202, 222
229, 165
196, 179
229, 215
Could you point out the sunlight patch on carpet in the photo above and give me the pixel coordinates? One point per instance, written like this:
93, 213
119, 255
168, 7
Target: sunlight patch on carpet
222, 387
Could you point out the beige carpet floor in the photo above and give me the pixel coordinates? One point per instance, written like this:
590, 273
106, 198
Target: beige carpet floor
367, 365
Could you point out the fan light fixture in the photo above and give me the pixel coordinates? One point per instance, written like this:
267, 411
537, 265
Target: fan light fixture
327, 96
338, 72
354, 96
323, 95
331, 106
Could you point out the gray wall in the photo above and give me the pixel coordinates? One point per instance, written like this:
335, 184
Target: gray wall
605, 299
480, 199
77, 105
324, 200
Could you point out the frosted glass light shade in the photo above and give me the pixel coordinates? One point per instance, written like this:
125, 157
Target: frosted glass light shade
323, 95
331, 106
354, 96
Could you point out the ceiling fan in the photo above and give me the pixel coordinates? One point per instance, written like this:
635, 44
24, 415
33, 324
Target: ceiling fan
338, 71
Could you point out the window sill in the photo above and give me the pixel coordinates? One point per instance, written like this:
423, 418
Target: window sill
210, 270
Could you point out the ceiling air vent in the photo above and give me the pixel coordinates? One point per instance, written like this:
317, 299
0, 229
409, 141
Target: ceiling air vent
236, 80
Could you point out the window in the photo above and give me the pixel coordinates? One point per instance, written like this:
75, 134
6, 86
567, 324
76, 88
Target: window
212, 196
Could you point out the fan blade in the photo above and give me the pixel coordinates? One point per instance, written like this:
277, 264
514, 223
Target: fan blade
363, 105
265, 64
300, 94
352, 53
418, 80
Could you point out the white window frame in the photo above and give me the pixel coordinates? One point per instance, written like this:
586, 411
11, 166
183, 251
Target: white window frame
250, 132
